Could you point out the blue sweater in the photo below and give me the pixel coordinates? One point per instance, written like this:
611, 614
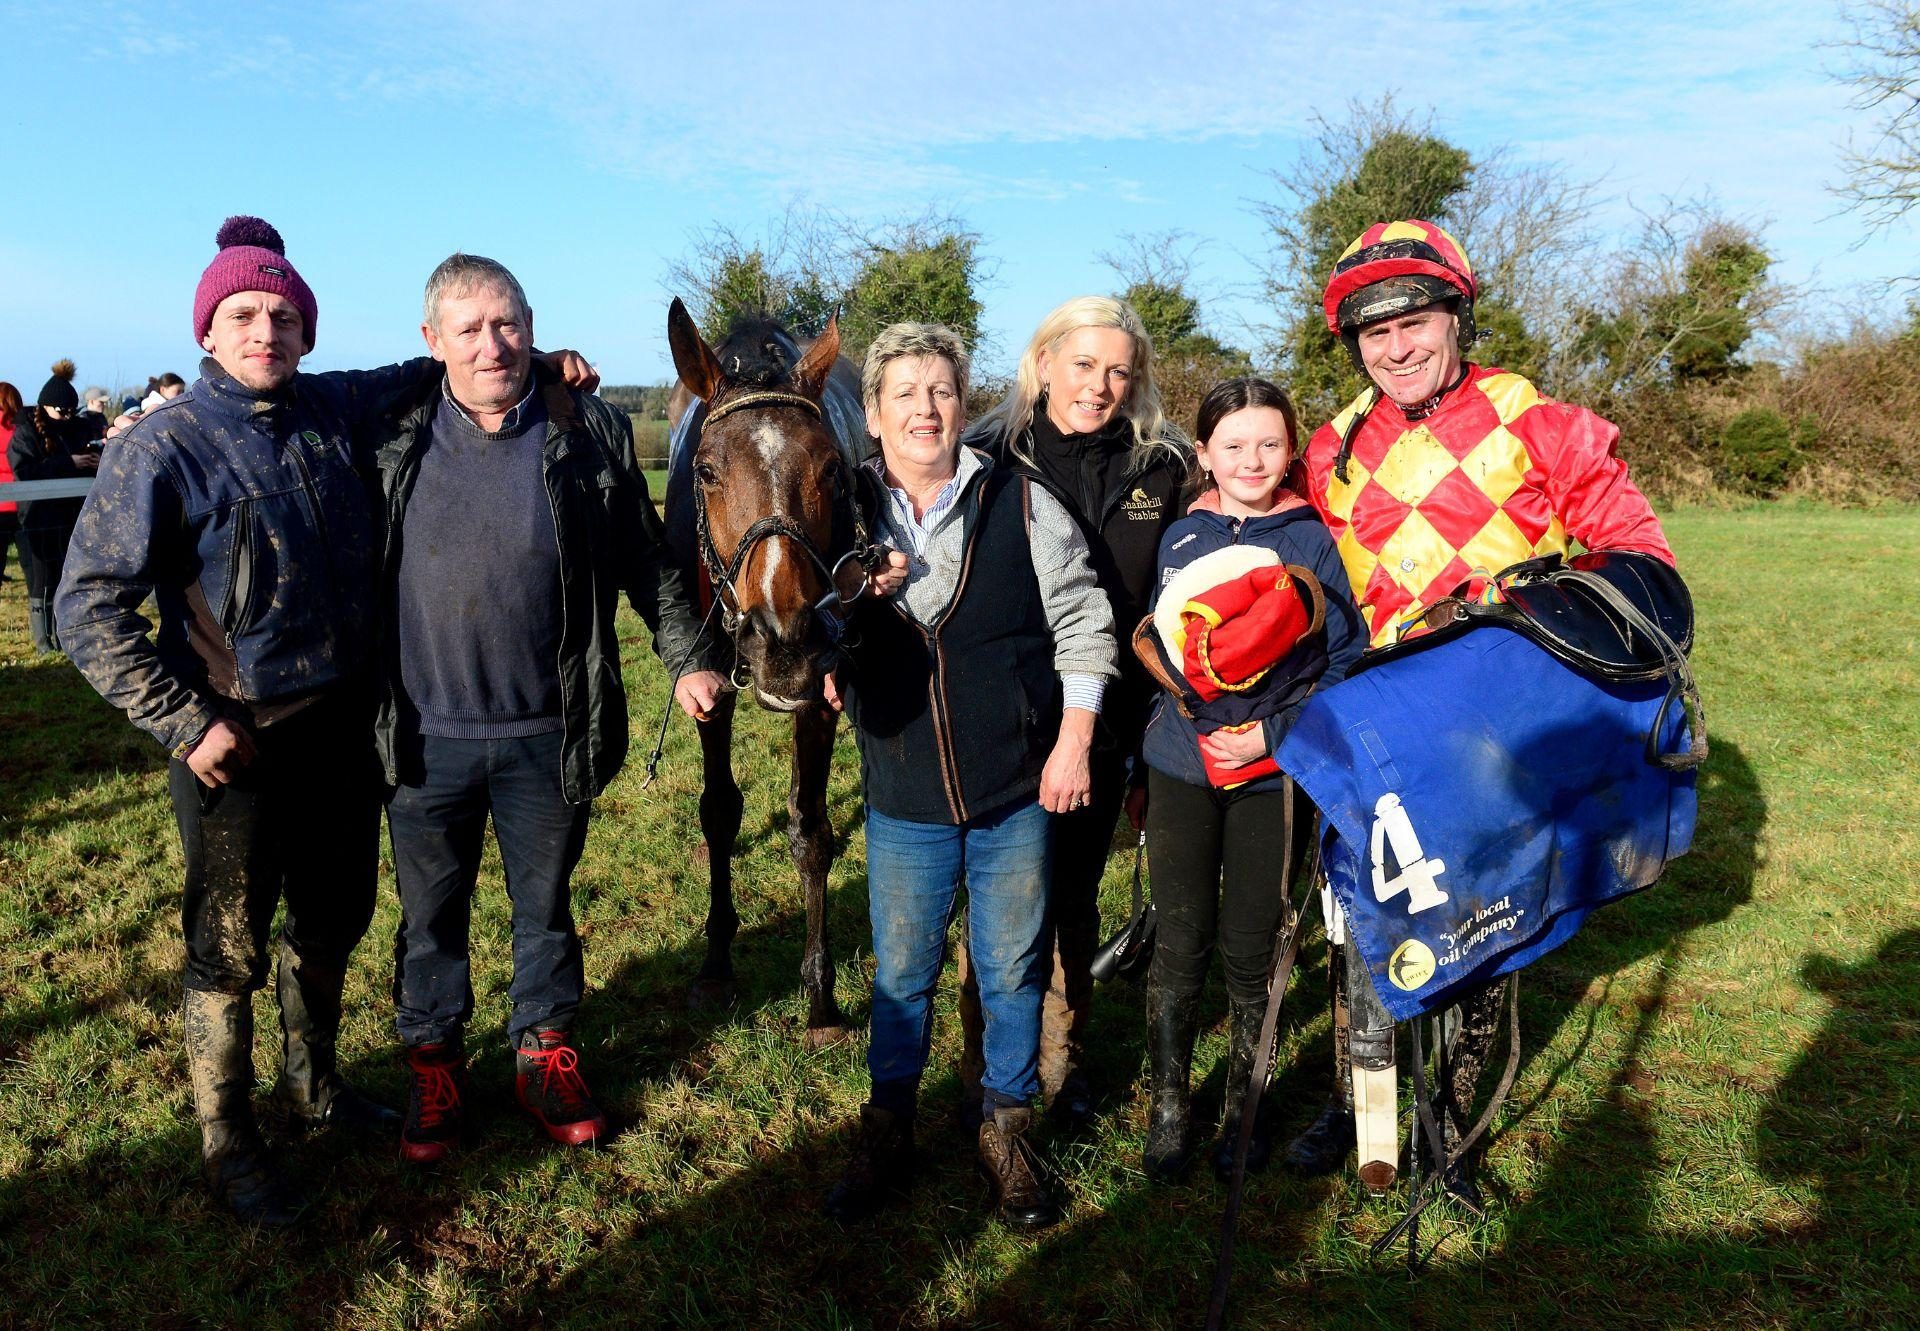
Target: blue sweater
1298, 536
479, 582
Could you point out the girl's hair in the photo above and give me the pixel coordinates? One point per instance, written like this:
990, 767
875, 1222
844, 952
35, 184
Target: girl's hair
10, 403
1152, 431
167, 380
1231, 395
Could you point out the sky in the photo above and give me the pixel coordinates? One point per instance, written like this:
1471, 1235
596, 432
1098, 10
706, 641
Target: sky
584, 145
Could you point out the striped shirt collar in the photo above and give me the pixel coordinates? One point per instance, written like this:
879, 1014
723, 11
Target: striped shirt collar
917, 531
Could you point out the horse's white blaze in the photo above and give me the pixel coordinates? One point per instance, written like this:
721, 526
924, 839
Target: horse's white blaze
769, 442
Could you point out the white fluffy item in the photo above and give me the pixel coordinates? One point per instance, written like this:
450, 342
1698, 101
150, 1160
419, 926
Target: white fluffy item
1210, 570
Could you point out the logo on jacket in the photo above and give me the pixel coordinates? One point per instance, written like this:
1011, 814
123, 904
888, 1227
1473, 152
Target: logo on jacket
1411, 965
1141, 506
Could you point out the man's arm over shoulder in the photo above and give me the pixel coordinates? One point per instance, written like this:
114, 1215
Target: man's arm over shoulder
368, 396
1587, 483
131, 530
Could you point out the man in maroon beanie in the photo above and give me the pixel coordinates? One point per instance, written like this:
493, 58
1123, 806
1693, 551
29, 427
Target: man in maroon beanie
243, 507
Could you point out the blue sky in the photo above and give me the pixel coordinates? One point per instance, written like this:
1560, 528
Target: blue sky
583, 144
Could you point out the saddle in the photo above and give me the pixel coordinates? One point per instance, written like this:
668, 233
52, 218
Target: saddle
1610, 614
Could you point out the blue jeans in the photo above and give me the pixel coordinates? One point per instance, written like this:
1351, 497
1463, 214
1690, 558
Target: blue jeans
914, 872
436, 828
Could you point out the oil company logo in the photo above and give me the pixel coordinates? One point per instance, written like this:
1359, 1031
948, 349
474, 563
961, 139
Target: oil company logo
1411, 965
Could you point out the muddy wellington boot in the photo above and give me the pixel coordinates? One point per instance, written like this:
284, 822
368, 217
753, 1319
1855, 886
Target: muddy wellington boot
881, 1169
239, 1170
1171, 1022
1324, 1147
40, 625
1013, 1169
1243, 1038
311, 1088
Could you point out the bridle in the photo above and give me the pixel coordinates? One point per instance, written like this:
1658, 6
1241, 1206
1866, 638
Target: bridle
839, 572
830, 609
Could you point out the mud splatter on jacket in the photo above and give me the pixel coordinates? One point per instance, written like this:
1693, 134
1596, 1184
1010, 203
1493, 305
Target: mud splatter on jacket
1495, 474
249, 519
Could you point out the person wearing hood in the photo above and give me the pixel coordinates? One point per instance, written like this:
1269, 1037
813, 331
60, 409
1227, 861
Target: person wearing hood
1253, 616
1085, 419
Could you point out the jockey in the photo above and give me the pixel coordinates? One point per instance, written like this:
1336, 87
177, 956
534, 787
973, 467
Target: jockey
1438, 471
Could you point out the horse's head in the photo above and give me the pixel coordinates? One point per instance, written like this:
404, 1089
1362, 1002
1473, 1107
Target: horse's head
768, 483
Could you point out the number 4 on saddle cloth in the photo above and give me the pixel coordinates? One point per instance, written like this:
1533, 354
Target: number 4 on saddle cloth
1490, 782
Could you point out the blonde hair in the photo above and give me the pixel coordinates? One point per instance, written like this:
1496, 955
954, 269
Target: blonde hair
898, 341
1152, 431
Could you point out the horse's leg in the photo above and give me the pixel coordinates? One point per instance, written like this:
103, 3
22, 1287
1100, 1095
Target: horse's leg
720, 805
811, 836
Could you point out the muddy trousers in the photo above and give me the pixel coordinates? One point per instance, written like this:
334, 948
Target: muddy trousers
1081, 841
301, 824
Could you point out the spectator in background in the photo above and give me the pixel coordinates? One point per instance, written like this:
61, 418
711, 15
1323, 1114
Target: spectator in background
162, 388
49, 443
10, 408
94, 416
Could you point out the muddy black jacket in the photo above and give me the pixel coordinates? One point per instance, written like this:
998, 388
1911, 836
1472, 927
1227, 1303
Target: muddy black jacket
249, 520
1134, 506
611, 542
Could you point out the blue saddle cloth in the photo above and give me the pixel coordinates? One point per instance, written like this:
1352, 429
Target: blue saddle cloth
1481, 798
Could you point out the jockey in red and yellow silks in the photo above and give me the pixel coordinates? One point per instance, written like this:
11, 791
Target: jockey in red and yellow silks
1495, 473
1440, 470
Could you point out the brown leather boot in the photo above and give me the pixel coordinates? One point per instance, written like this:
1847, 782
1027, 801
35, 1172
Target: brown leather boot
1013, 1168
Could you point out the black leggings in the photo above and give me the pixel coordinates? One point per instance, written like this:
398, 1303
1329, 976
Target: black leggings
1216, 857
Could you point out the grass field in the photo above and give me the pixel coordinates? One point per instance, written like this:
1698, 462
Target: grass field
1715, 1121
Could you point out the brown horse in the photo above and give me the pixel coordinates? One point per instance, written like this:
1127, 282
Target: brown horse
765, 483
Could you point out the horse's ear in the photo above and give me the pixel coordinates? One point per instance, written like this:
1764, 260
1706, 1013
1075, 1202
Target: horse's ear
698, 367
809, 377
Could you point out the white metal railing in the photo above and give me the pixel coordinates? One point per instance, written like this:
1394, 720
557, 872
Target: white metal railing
68, 487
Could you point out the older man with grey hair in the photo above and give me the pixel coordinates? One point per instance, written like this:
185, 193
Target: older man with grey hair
515, 518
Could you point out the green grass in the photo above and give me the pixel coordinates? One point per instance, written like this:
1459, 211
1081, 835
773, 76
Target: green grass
1714, 1123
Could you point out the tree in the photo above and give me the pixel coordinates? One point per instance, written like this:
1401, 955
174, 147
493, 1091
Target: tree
1678, 306
1524, 227
922, 270
793, 273
813, 262
1883, 180
1156, 273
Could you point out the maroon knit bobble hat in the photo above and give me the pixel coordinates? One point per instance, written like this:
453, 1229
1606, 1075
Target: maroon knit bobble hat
252, 257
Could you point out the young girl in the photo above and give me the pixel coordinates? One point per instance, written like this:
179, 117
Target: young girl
1214, 798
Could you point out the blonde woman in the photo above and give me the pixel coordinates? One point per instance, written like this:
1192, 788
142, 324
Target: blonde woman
1085, 418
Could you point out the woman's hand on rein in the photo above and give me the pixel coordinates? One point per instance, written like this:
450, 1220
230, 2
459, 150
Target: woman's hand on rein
697, 693
889, 576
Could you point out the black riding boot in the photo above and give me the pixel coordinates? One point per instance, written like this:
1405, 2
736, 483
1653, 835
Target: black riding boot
40, 624
239, 1170
1323, 1148
1171, 1020
310, 1086
881, 1168
1243, 1026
